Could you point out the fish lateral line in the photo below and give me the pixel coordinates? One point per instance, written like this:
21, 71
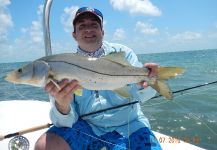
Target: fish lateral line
93, 70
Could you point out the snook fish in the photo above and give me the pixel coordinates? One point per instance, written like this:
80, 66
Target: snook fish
110, 72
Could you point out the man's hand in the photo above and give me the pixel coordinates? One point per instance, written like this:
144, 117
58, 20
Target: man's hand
153, 71
63, 96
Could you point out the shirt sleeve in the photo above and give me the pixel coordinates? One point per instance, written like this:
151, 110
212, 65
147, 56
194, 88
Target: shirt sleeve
61, 120
131, 57
137, 91
142, 94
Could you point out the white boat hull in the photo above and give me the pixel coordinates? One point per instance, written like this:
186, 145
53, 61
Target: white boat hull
18, 115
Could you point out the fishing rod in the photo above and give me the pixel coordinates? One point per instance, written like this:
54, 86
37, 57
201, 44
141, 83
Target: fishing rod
2, 137
48, 51
135, 102
36, 128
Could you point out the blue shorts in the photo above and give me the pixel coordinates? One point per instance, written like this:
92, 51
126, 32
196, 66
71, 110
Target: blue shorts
82, 137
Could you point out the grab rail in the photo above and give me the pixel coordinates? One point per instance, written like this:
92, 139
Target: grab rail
46, 27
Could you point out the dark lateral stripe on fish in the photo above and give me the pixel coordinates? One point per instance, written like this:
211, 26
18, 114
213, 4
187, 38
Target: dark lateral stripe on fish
89, 69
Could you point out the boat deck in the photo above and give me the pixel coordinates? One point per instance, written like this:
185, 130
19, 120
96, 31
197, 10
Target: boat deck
23, 114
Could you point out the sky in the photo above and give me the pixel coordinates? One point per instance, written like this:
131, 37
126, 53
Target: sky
146, 26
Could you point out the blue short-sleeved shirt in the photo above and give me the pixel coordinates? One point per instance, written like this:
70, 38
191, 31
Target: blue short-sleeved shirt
125, 120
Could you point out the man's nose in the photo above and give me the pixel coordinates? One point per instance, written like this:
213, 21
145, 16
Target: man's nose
88, 27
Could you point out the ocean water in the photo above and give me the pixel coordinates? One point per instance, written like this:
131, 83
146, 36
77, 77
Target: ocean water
191, 116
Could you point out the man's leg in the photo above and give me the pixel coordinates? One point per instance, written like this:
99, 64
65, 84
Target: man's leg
144, 139
114, 141
79, 137
52, 141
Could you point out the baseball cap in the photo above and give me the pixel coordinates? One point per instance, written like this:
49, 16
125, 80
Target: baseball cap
93, 11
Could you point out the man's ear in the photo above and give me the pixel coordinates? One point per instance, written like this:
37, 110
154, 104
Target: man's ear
102, 32
74, 35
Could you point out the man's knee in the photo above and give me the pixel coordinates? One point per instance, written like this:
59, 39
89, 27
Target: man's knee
50, 141
41, 142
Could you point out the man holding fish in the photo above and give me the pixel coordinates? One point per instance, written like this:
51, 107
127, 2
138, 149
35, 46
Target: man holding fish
101, 75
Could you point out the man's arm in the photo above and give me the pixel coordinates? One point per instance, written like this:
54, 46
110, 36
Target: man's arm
62, 112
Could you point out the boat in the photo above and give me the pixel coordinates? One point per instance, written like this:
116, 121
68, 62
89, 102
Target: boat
29, 114
31, 117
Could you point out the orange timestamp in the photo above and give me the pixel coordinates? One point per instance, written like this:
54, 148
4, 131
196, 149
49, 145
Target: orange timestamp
173, 140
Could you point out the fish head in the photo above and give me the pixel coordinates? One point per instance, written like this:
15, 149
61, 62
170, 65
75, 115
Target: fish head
35, 74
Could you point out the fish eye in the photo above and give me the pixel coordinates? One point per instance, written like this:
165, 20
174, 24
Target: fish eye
20, 70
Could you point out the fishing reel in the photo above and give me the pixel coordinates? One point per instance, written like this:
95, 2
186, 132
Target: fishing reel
18, 143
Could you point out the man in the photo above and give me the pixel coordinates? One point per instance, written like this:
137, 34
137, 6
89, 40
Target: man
123, 128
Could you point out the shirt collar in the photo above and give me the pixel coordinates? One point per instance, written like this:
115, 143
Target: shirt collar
98, 53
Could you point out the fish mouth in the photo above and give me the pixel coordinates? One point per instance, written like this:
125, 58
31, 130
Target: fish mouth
11, 77
7, 78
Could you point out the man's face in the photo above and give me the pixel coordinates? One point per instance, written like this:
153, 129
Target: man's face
88, 30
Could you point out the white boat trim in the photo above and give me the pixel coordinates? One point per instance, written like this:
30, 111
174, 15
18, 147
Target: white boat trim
16, 115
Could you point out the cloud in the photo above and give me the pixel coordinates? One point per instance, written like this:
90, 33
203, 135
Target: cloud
119, 35
186, 36
6, 19
4, 3
134, 7
24, 30
67, 16
146, 28
35, 32
28, 43
212, 35
40, 9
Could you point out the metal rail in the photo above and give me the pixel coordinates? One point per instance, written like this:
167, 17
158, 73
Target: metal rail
48, 51
46, 27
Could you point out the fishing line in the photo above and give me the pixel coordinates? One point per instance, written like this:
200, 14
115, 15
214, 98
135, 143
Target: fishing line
128, 127
22, 96
98, 138
198, 91
134, 102
186, 89
163, 102
177, 96
47, 40
197, 117
192, 115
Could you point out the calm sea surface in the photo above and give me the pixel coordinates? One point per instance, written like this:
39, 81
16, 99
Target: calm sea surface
191, 116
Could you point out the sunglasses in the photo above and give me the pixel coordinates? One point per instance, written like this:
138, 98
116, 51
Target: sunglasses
86, 9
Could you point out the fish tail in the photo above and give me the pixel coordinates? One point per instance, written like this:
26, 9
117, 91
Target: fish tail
162, 87
163, 74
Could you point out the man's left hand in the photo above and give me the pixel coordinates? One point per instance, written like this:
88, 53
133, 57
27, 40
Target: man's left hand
152, 67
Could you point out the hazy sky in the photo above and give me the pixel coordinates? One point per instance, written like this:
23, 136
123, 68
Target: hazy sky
146, 26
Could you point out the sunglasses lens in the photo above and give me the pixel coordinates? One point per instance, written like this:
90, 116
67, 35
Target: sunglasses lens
96, 11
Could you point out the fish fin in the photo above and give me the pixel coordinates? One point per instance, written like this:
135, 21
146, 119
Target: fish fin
165, 73
55, 83
124, 91
117, 57
161, 87
78, 92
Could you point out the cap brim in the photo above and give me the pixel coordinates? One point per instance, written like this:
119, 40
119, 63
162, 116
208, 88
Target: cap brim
77, 17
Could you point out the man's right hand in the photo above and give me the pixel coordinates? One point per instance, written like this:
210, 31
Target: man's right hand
64, 95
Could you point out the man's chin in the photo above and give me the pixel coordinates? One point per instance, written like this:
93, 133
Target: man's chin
90, 40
